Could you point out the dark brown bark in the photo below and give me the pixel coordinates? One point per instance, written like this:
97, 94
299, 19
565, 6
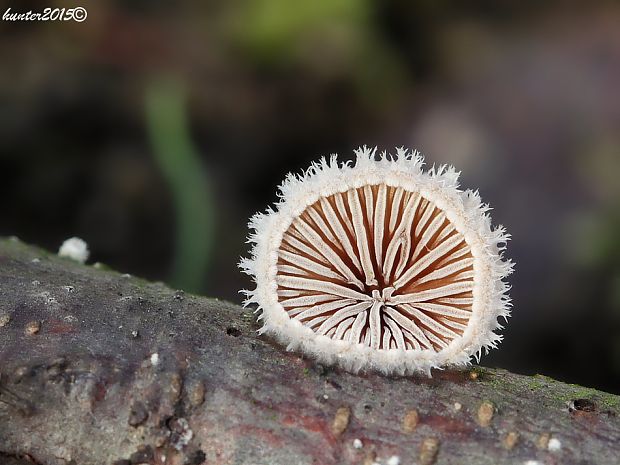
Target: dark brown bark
80, 384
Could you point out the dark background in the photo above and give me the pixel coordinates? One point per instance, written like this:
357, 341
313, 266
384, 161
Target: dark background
154, 131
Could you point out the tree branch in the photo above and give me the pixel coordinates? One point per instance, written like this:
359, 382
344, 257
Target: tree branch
103, 368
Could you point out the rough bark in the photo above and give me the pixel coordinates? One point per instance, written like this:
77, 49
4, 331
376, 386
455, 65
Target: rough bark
80, 385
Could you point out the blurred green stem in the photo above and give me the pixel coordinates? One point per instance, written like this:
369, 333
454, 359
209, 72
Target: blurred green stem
178, 159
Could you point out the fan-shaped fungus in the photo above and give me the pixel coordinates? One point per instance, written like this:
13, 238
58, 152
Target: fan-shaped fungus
379, 265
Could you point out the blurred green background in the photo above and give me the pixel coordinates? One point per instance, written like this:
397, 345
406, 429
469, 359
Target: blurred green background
153, 131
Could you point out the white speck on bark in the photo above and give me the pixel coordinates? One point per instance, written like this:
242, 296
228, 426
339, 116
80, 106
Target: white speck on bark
75, 249
554, 445
182, 433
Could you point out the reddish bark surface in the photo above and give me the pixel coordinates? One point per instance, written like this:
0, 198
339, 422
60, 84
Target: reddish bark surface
86, 388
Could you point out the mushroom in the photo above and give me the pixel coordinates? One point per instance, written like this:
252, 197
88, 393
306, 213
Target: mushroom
380, 266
